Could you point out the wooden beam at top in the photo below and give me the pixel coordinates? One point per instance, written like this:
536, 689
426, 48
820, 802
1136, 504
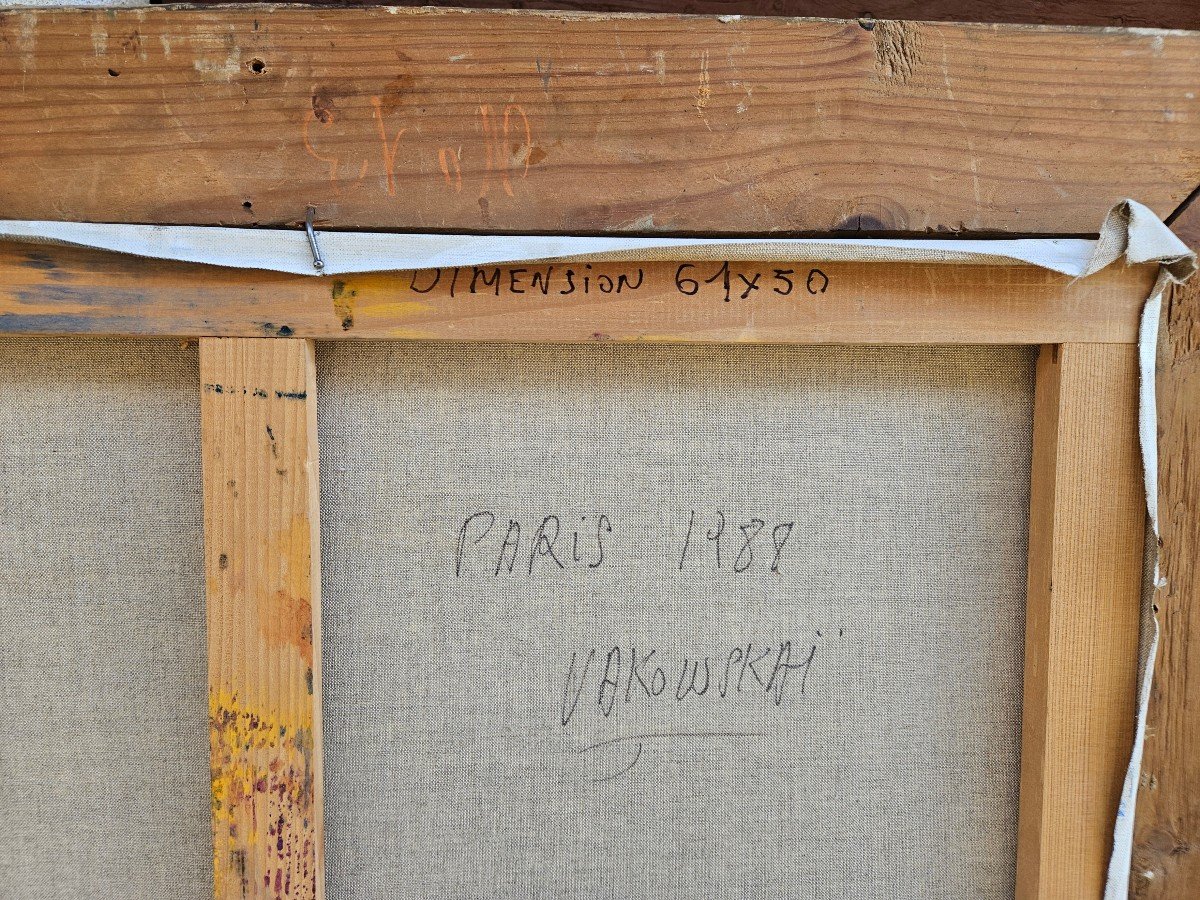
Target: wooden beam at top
1111, 13
406, 118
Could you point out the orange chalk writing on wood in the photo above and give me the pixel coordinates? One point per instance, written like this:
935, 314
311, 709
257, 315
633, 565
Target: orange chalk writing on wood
353, 140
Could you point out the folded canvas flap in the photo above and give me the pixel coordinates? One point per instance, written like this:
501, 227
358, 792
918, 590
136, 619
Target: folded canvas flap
1130, 231
1133, 231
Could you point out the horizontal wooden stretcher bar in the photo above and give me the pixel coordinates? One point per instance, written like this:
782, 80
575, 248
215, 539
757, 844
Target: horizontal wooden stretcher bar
62, 290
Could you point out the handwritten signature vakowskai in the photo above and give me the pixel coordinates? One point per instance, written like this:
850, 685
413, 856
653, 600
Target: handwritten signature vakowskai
622, 675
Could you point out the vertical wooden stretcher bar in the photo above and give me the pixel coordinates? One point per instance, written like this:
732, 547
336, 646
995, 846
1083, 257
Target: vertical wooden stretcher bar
262, 567
1087, 520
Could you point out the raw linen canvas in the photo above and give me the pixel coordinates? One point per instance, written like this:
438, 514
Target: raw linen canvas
104, 768
672, 622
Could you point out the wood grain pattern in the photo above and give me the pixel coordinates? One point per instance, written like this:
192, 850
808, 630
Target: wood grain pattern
259, 438
438, 119
1110, 13
52, 290
1166, 862
1086, 529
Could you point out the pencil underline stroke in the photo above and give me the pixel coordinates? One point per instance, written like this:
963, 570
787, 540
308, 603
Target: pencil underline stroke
659, 735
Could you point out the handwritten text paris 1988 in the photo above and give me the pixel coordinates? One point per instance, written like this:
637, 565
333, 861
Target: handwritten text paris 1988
489, 543
494, 546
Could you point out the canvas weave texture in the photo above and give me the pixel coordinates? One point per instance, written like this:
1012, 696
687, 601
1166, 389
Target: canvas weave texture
104, 766
666, 622
838, 710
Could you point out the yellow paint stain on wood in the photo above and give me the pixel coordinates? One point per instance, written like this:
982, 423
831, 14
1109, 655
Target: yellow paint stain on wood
383, 306
288, 621
262, 795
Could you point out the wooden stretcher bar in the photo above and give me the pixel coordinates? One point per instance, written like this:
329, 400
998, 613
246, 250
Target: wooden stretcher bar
60, 290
